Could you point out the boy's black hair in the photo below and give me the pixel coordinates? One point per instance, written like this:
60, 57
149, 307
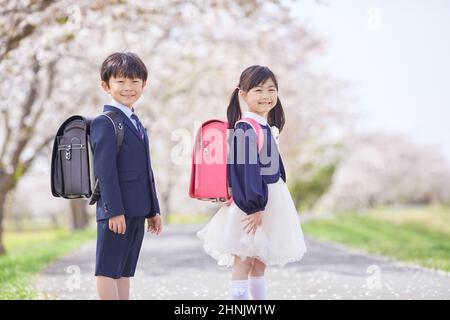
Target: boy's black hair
123, 64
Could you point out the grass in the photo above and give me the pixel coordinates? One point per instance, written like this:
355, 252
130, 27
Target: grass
420, 235
28, 253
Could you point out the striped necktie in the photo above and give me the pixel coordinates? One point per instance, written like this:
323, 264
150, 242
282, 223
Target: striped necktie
140, 128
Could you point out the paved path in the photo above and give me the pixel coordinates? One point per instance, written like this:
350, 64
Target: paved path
174, 266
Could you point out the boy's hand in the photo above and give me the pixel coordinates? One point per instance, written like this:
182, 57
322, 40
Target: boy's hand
117, 224
154, 224
253, 222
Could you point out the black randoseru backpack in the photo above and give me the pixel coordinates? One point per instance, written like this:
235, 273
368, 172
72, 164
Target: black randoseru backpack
72, 170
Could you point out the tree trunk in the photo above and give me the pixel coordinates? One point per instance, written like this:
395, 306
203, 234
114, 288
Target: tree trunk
165, 201
165, 197
2, 211
80, 218
4, 185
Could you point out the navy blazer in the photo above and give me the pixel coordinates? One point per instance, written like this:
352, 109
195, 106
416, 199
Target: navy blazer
248, 181
127, 184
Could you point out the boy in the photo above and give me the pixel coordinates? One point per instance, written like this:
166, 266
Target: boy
127, 186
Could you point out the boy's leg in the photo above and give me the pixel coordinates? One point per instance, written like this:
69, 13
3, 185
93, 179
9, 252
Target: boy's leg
107, 288
123, 288
136, 230
110, 250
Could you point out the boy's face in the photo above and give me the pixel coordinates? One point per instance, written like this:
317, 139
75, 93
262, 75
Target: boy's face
262, 98
124, 90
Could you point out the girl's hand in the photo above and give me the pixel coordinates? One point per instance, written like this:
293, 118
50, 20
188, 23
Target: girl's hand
229, 202
253, 221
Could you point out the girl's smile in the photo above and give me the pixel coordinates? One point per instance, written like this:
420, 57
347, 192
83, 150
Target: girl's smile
262, 98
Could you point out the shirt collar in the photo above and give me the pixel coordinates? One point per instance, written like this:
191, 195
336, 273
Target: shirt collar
254, 116
128, 112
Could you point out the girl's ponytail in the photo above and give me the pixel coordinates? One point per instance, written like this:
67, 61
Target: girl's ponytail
234, 109
276, 116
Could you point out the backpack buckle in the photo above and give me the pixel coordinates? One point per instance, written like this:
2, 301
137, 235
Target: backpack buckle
206, 148
69, 152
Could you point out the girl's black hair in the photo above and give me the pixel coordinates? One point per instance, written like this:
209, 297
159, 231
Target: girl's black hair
250, 78
123, 64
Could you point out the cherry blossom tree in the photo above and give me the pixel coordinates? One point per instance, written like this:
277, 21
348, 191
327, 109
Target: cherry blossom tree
386, 169
51, 51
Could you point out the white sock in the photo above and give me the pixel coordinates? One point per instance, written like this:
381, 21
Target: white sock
257, 288
239, 289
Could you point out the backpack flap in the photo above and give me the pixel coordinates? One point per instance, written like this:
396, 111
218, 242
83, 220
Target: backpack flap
209, 162
70, 160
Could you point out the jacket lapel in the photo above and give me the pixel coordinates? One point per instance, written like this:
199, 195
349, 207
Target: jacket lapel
125, 120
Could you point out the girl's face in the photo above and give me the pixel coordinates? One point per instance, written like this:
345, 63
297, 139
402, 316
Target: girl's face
262, 98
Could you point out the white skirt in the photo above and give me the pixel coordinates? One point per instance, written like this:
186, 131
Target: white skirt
277, 241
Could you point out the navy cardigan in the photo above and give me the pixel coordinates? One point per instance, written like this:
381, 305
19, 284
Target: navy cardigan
249, 175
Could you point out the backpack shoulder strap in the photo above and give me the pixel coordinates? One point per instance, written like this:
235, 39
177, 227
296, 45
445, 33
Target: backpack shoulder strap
114, 117
258, 130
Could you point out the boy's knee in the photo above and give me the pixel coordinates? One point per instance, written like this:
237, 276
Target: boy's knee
104, 278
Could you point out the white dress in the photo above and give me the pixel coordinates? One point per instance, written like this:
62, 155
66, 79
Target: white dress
277, 241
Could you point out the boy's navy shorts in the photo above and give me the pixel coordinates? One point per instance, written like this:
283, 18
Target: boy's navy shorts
117, 254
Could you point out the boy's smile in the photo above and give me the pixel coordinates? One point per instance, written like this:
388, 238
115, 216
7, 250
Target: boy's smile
124, 90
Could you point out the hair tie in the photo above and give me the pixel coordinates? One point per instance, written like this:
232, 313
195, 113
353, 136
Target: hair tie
237, 87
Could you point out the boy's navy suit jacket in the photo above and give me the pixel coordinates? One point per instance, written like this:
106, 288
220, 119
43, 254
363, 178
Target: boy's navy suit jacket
127, 184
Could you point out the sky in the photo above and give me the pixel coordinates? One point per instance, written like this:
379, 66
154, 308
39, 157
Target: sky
396, 54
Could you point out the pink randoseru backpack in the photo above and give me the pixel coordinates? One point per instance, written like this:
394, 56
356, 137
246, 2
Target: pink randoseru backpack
209, 160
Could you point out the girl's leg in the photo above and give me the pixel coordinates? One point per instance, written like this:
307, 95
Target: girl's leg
239, 278
107, 288
123, 288
258, 268
241, 268
256, 281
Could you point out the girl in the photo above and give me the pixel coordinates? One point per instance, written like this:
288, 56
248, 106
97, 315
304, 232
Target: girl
259, 226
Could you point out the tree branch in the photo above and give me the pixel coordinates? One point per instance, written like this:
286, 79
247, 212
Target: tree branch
24, 128
48, 93
27, 163
12, 40
7, 136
